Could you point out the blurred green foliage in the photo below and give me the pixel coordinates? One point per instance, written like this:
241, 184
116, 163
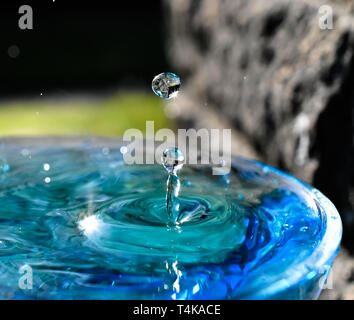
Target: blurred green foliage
105, 117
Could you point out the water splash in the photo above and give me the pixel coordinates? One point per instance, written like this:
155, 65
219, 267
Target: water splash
166, 85
172, 160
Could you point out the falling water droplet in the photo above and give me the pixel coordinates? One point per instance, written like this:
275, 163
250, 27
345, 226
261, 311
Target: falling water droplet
172, 160
166, 85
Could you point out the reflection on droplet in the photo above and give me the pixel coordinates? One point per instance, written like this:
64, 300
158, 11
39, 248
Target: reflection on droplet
166, 85
47, 180
46, 166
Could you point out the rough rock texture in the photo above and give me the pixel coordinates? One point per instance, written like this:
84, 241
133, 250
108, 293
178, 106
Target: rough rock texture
267, 70
340, 283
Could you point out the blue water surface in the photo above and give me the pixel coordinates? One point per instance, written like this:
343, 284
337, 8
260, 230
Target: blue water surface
92, 227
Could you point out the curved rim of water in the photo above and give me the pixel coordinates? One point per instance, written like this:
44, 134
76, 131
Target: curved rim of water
322, 255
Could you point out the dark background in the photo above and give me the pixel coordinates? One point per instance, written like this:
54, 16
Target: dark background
80, 45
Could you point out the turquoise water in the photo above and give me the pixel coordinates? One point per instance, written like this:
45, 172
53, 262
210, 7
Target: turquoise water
91, 227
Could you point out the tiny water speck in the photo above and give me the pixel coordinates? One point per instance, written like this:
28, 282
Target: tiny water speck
47, 180
13, 51
25, 152
123, 150
4, 166
46, 166
166, 85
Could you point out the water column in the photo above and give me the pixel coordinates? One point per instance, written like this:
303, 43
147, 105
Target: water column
172, 160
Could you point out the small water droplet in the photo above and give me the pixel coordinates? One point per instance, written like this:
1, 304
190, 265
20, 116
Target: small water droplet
304, 229
123, 150
172, 160
13, 51
166, 85
25, 152
47, 180
46, 166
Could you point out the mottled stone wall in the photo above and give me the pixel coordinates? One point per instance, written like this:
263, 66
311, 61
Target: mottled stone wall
267, 70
